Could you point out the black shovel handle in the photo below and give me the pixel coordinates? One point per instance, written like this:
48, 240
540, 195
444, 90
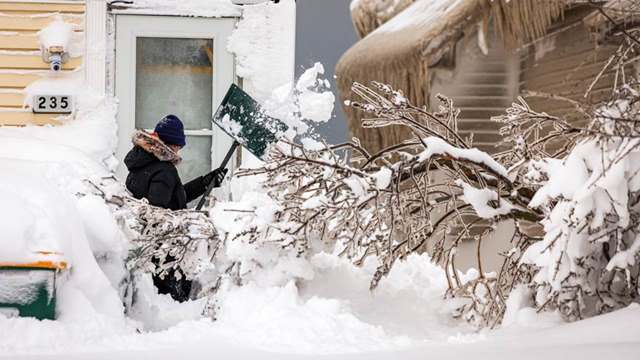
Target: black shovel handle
223, 165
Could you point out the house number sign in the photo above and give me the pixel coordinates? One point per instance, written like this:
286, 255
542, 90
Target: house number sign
56, 104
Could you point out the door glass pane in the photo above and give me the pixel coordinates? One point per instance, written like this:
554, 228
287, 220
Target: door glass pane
174, 76
196, 158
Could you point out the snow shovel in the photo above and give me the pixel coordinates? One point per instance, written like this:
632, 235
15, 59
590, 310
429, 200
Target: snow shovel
242, 118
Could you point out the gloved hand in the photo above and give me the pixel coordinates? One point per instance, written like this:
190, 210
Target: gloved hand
216, 176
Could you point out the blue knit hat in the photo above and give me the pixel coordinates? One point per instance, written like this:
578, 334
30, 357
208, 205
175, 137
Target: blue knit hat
171, 131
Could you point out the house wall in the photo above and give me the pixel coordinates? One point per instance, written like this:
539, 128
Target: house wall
565, 63
20, 59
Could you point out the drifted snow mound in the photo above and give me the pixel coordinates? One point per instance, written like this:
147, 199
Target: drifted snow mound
87, 138
38, 216
159, 311
335, 312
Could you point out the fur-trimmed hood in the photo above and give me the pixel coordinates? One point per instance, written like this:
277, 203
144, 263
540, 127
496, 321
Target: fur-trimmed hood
155, 146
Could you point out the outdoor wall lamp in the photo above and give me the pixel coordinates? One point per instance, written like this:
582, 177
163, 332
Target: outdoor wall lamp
55, 56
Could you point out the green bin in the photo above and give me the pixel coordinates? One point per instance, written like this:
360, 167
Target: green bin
29, 290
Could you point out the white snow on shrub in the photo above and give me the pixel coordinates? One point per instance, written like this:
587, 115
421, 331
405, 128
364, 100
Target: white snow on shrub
481, 199
437, 146
383, 178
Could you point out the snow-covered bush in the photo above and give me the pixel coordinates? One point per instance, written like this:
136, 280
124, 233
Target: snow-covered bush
587, 262
416, 195
402, 200
161, 239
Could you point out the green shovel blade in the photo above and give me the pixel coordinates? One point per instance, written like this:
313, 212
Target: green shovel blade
242, 118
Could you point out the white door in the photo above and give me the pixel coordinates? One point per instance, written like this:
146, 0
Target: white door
174, 65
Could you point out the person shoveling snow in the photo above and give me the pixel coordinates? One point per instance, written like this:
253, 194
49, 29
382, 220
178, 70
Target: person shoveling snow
153, 176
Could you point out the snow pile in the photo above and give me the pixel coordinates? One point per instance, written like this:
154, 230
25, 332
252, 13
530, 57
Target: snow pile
263, 260
41, 217
331, 313
263, 44
158, 312
45, 167
91, 130
106, 240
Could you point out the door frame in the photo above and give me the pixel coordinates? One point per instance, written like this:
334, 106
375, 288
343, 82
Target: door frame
130, 27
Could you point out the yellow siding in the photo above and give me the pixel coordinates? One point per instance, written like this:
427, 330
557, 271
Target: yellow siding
19, 24
33, 62
17, 81
12, 100
22, 118
19, 42
41, 7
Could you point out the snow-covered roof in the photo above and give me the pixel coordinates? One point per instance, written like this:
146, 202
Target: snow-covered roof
200, 8
420, 14
400, 51
367, 15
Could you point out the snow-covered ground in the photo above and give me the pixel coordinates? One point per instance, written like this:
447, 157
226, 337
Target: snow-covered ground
331, 316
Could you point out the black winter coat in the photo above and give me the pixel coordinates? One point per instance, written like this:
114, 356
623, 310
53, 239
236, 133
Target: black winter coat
157, 180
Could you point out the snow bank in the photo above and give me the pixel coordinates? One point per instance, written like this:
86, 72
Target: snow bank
41, 217
43, 170
91, 130
159, 311
276, 319
307, 321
